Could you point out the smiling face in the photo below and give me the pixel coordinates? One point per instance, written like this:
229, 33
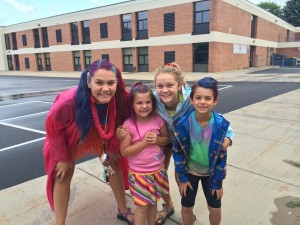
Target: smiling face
142, 105
203, 101
167, 88
103, 85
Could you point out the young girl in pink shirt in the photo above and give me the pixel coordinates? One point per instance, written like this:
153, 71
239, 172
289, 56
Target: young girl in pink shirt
147, 133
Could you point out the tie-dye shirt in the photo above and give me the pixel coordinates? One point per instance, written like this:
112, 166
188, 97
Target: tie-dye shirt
198, 159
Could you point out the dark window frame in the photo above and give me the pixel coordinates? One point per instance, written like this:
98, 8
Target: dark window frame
103, 30
105, 56
14, 40
36, 37
74, 33
87, 58
27, 63
58, 36
76, 60
126, 27
85, 29
48, 61
7, 41
142, 25
253, 26
24, 40
10, 62
169, 57
169, 22
45, 37
201, 27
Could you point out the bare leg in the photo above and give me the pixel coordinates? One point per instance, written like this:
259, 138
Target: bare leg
141, 214
214, 216
117, 185
61, 196
187, 215
151, 214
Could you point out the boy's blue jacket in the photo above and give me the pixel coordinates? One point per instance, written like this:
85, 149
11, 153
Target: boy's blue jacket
217, 157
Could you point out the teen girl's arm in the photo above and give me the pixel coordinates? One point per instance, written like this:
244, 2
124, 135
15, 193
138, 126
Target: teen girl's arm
228, 139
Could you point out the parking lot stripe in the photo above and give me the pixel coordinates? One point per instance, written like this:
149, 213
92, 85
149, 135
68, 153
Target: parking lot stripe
24, 143
23, 128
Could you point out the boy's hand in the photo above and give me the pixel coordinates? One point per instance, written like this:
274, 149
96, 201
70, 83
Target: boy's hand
219, 193
226, 144
121, 132
183, 187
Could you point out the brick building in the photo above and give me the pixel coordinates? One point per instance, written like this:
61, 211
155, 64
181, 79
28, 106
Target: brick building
215, 35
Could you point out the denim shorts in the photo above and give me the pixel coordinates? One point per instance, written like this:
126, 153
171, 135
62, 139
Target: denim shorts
189, 199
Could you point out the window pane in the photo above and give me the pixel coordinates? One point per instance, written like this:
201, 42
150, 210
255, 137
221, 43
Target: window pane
127, 51
198, 17
143, 50
206, 15
141, 59
200, 6
86, 24
142, 15
126, 17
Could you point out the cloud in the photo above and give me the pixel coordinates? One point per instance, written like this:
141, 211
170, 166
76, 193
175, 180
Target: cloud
20, 6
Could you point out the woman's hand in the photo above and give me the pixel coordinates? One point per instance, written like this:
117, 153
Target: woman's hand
121, 132
62, 168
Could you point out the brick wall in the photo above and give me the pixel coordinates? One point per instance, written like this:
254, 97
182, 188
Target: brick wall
62, 61
65, 33
221, 58
184, 14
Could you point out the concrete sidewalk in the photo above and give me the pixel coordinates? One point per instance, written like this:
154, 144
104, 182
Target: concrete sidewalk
262, 184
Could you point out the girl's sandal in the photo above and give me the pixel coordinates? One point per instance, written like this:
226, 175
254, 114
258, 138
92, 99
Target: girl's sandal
164, 214
124, 216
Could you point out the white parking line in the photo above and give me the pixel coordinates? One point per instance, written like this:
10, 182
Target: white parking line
18, 117
22, 103
24, 143
227, 86
23, 128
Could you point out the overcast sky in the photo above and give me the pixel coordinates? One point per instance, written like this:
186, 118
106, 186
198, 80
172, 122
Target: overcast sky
18, 11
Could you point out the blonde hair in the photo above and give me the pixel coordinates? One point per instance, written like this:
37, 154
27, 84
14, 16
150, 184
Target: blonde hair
172, 68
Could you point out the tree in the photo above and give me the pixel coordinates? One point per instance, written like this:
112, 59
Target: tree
272, 7
291, 12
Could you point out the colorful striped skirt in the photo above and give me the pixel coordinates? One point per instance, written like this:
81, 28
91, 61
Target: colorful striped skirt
147, 188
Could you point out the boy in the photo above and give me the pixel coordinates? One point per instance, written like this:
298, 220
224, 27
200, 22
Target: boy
199, 152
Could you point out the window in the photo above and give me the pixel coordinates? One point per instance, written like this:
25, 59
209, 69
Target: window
201, 57
74, 31
169, 22
143, 59
77, 64
103, 30
87, 58
201, 17
127, 59
36, 38
45, 37
253, 26
14, 41
7, 41
24, 40
48, 62
126, 27
17, 62
27, 63
10, 62
58, 36
39, 62
142, 25
86, 32
105, 56
169, 57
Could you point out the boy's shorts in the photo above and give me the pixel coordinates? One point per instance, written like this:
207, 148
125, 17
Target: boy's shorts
189, 199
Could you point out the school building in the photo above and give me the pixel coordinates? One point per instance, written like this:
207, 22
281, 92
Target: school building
140, 35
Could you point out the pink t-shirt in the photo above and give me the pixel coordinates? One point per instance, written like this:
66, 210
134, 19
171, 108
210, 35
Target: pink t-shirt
152, 157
